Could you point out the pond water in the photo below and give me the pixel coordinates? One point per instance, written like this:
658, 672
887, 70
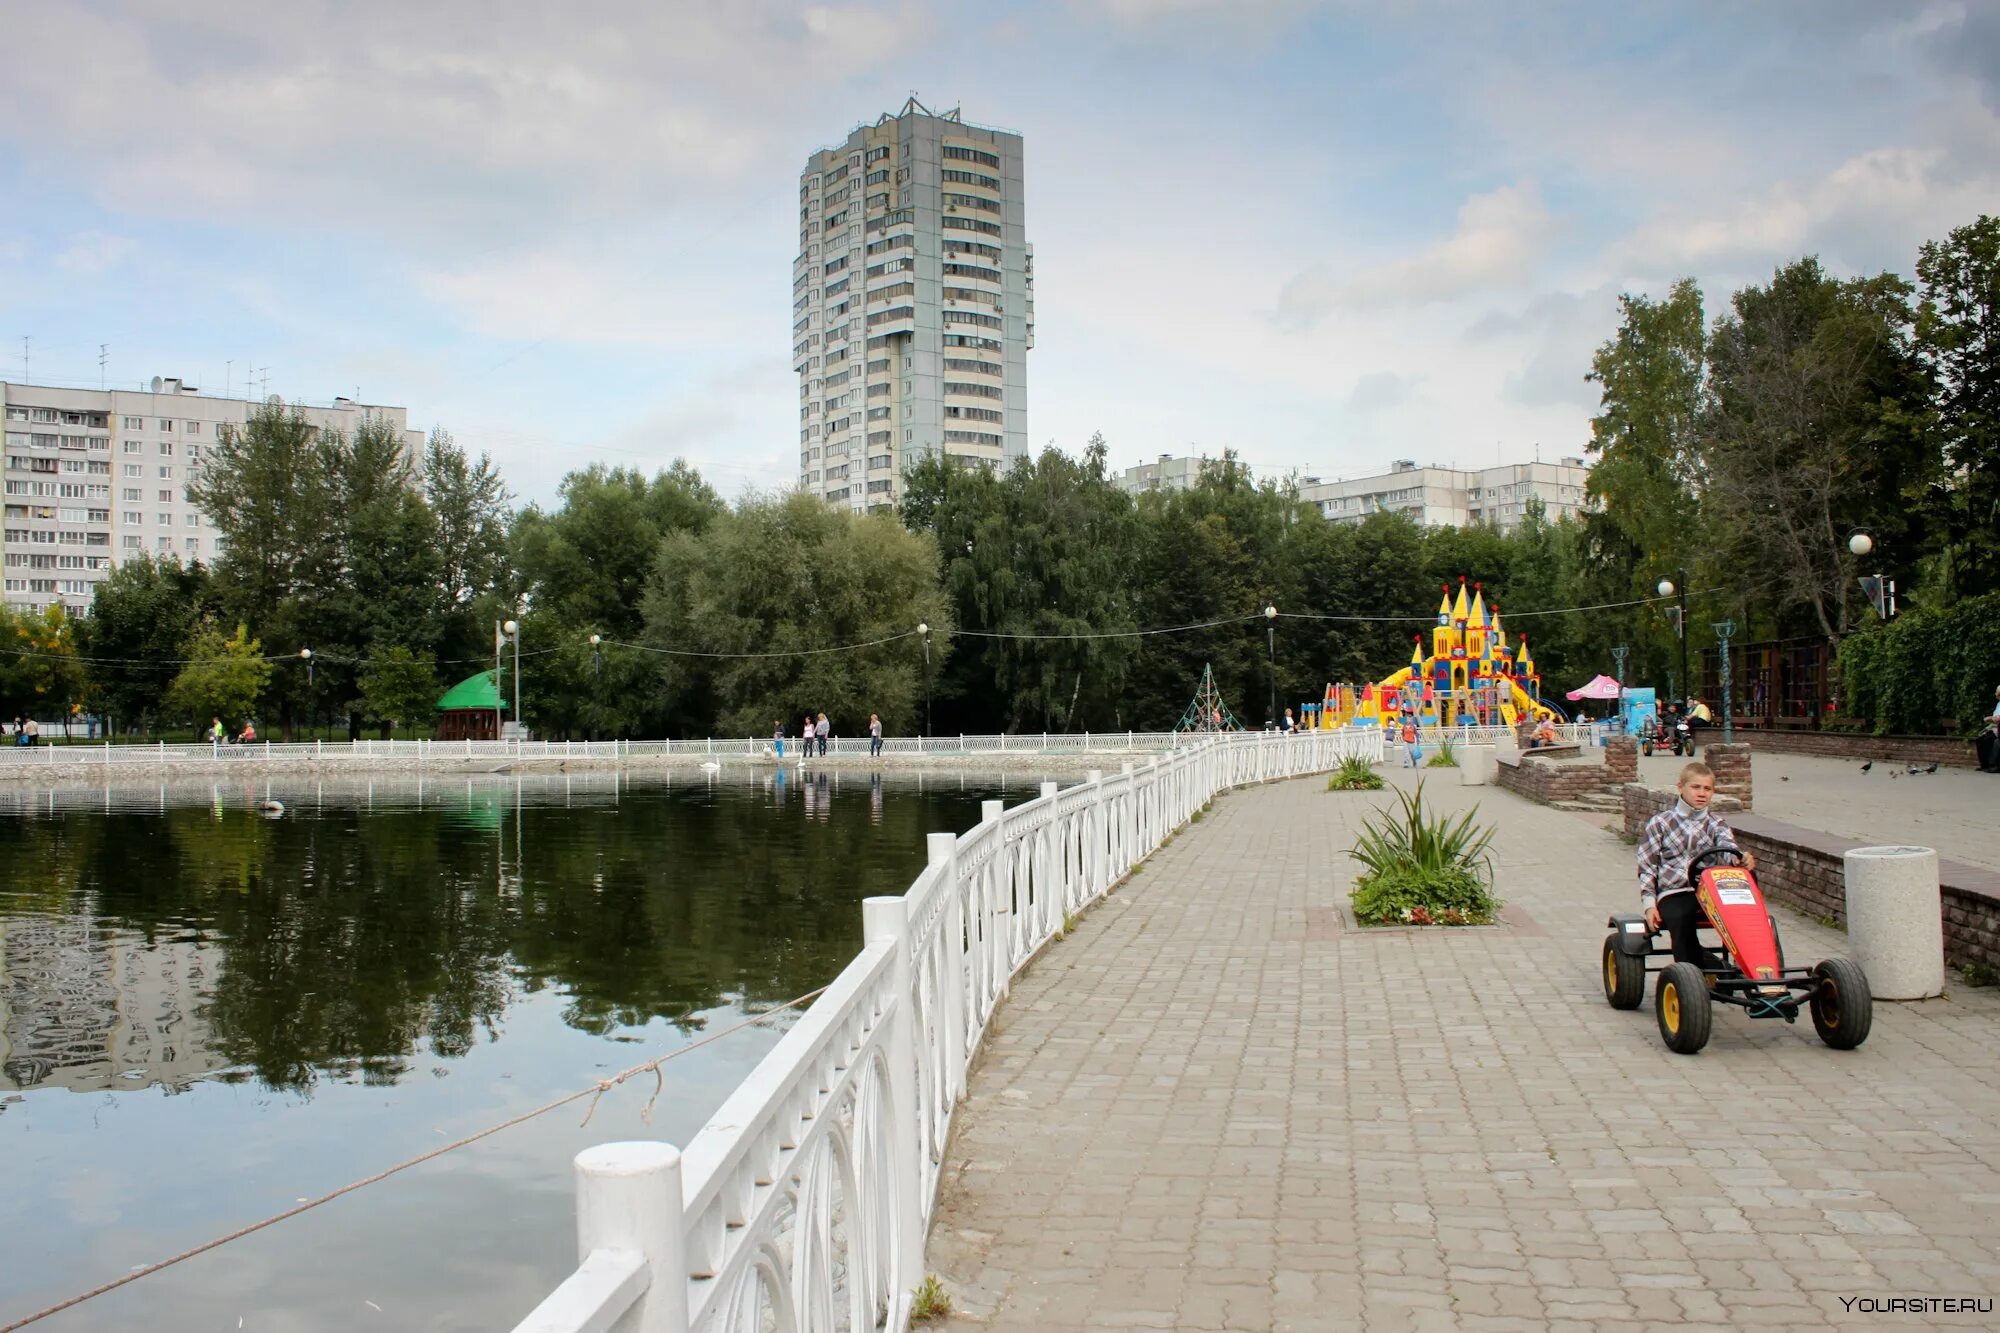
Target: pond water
208, 1014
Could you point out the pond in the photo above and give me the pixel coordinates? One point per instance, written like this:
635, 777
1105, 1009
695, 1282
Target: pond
209, 1012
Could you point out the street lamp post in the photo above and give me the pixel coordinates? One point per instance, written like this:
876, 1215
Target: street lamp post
499, 644
513, 628
1271, 643
924, 629
1668, 589
312, 688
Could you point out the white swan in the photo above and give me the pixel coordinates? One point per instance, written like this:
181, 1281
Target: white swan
711, 767
271, 808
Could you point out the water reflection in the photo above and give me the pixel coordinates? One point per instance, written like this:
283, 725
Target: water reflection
173, 934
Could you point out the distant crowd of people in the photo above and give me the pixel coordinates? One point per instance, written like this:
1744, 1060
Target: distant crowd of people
218, 734
816, 731
24, 730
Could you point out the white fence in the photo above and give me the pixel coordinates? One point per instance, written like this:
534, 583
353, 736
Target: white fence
423, 753
803, 1204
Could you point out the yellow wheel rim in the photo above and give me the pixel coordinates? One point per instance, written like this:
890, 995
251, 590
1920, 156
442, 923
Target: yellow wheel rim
1610, 970
1670, 1007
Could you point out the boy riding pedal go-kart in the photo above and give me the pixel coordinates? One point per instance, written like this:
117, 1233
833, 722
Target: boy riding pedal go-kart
1694, 877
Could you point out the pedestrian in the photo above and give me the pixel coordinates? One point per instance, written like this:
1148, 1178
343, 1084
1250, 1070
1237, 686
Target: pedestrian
215, 731
34, 732
821, 730
249, 736
20, 730
778, 737
806, 737
1988, 745
874, 735
1412, 752
1287, 725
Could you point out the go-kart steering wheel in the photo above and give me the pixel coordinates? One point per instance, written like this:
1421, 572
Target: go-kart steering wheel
1701, 861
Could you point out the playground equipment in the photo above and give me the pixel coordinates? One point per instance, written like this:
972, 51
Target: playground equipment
1207, 711
1471, 676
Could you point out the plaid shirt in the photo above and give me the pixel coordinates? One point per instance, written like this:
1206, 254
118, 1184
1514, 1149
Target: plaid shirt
1672, 838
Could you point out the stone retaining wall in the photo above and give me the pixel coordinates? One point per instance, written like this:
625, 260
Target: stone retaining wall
1803, 869
1858, 746
1551, 780
1732, 771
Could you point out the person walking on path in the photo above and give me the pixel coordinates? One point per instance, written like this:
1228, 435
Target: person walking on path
820, 729
1287, 725
1412, 751
806, 737
874, 735
34, 733
778, 738
215, 731
1988, 743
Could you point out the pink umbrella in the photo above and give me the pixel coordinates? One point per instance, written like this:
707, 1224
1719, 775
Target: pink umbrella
1600, 687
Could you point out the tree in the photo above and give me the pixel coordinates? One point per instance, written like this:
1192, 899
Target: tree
782, 593
39, 673
468, 505
223, 678
1816, 426
399, 686
1958, 342
140, 615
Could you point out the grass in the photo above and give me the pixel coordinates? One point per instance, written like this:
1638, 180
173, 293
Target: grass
931, 1301
1423, 868
1354, 774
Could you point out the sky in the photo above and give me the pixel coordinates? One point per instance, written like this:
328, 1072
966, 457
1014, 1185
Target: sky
1327, 236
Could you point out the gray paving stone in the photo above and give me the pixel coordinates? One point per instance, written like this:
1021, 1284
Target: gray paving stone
1215, 1106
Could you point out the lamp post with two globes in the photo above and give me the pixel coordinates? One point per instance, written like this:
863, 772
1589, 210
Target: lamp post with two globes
1271, 643
924, 629
1680, 615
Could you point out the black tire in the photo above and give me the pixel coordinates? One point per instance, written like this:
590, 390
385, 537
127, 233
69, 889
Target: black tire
1624, 976
1649, 749
1680, 1002
1842, 1008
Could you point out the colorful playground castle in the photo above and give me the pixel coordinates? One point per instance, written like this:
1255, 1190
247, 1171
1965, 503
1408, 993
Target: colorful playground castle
1471, 676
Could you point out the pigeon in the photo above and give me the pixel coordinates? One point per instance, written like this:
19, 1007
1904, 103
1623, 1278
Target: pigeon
1914, 770
1783, 778
1932, 768
1870, 764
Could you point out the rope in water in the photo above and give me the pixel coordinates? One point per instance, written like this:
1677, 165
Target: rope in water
595, 1091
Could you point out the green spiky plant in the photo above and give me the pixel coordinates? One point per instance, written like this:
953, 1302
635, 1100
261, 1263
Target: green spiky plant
1445, 756
1354, 774
1424, 868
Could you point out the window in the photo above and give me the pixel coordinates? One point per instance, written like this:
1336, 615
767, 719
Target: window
193, 545
165, 543
972, 414
133, 446
135, 470
167, 473
98, 516
193, 428
135, 423
167, 448
132, 543
45, 414
968, 178
98, 467
133, 518
954, 153
953, 222
980, 390
166, 425
969, 317
972, 201
132, 494
166, 497
17, 414
965, 367
971, 437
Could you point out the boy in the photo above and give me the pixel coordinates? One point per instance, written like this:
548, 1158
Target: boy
1672, 839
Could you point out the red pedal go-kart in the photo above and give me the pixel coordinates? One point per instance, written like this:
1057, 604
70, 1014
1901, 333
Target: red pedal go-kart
1754, 975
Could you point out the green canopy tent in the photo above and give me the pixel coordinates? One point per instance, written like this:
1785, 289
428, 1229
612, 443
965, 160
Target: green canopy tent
470, 710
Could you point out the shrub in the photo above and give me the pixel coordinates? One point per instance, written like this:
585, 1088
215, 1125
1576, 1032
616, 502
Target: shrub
1924, 667
1423, 868
1354, 774
1444, 758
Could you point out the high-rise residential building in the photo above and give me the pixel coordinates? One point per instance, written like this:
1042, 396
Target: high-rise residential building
94, 476
913, 304
1431, 496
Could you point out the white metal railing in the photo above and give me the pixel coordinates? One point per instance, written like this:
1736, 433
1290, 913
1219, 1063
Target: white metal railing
105, 755
804, 1202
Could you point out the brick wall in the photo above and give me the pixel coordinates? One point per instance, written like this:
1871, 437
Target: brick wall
1621, 759
1804, 869
1850, 745
1732, 771
1551, 780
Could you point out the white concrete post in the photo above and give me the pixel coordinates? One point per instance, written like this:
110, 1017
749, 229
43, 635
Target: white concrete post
628, 1197
942, 849
889, 919
1895, 920
1472, 764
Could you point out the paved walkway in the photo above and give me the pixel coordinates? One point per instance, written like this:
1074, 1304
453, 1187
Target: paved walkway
1218, 1106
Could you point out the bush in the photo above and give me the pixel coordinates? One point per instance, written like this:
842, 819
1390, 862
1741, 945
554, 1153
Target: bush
1354, 774
1444, 758
1926, 666
1422, 868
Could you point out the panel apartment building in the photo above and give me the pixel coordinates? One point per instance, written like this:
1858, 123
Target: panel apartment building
1430, 496
913, 304
95, 476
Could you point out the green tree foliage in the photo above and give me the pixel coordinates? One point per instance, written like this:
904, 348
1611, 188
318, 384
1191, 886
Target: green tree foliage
784, 577
588, 561
399, 686
1958, 341
223, 678
1038, 550
1926, 668
40, 674
1816, 426
140, 615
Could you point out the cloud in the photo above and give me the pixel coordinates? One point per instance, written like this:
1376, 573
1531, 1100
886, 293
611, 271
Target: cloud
92, 253
1971, 47
1498, 237
1382, 390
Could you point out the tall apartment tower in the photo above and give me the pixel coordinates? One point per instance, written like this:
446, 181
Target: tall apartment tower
913, 304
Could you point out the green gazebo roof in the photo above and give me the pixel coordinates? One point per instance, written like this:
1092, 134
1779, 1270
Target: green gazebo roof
480, 692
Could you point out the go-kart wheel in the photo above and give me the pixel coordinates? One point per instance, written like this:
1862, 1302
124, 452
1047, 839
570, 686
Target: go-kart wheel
1842, 1008
1649, 749
1624, 976
1680, 1002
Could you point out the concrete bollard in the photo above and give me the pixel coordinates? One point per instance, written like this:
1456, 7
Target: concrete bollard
1477, 765
1895, 921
